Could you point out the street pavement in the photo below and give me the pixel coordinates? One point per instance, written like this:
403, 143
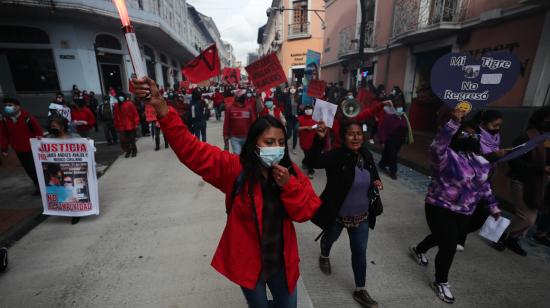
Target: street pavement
159, 225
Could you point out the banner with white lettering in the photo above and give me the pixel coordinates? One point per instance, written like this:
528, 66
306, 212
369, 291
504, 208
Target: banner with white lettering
463, 81
67, 176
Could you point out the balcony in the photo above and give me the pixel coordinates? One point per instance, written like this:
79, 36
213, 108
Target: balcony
299, 31
349, 39
421, 20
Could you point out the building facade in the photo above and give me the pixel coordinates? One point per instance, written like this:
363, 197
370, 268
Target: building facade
49, 46
290, 32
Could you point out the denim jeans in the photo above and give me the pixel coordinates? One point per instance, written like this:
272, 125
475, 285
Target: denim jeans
358, 239
292, 130
278, 286
237, 144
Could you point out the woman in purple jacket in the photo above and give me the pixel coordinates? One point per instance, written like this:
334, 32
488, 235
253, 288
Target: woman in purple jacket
459, 182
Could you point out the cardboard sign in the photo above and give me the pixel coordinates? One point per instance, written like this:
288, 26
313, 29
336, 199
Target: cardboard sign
316, 88
67, 176
266, 73
459, 78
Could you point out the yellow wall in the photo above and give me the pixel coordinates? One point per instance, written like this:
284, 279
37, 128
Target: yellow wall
293, 52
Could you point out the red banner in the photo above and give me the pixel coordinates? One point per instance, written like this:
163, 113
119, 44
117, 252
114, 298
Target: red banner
266, 73
316, 88
203, 67
231, 75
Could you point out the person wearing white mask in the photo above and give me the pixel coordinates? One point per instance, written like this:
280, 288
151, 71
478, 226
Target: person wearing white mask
307, 133
265, 192
272, 110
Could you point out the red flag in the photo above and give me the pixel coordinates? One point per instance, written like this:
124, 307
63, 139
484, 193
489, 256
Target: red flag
316, 88
203, 67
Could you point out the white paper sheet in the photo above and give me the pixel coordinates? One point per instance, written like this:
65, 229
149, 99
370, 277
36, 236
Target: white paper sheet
324, 111
492, 229
491, 78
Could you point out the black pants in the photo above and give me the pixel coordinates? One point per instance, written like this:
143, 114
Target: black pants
110, 132
475, 222
307, 162
144, 126
27, 162
390, 153
128, 141
446, 227
157, 138
292, 130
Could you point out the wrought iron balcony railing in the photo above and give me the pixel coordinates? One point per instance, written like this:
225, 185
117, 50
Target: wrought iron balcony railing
298, 30
349, 38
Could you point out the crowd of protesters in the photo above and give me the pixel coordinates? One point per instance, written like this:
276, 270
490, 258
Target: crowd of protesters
266, 191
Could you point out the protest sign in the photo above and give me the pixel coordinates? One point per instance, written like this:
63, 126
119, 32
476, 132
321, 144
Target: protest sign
493, 229
66, 175
313, 65
459, 78
266, 73
524, 148
324, 111
316, 88
231, 75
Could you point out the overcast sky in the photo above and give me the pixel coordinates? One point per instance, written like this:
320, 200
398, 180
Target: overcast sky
237, 20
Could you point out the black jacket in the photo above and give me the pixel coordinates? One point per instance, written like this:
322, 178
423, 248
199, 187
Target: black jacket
340, 169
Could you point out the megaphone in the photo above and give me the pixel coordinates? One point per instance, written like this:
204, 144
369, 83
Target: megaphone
350, 108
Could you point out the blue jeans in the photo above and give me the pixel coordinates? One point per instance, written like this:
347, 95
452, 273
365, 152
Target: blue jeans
278, 286
237, 144
358, 239
292, 130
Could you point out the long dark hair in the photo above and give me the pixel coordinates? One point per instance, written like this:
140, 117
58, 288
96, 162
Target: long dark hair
487, 116
249, 157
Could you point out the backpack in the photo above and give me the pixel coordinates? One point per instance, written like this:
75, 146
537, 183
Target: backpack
237, 188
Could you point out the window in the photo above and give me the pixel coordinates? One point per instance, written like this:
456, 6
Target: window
300, 13
16, 34
32, 70
107, 41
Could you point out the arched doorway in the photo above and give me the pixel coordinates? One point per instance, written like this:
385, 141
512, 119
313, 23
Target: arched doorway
109, 58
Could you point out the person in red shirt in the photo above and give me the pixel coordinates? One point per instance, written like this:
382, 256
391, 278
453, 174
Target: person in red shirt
218, 102
15, 130
236, 124
126, 122
83, 118
265, 192
307, 132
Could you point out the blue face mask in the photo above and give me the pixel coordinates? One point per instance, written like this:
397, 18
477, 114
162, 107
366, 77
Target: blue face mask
9, 110
269, 104
271, 155
121, 99
399, 110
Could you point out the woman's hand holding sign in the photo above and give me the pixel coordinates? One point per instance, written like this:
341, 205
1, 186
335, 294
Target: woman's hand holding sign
146, 89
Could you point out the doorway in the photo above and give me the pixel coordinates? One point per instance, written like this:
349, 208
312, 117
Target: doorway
111, 76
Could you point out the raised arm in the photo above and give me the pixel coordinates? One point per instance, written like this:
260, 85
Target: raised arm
371, 111
441, 142
210, 162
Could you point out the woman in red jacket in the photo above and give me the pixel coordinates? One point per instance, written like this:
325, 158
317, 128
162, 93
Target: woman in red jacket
265, 192
126, 122
83, 118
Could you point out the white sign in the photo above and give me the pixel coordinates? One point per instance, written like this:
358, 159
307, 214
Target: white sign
324, 111
492, 229
66, 175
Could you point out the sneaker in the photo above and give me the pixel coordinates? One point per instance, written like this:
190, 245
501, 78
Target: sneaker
127, 155
324, 265
418, 257
393, 176
363, 298
157, 148
134, 154
544, 240
513, 245
443, 291
459, 248
75, 220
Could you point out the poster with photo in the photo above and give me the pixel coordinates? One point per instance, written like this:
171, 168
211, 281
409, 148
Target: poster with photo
66, 175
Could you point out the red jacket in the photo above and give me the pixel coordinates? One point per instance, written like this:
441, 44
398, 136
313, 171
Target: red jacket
17, 134
368, 112
306, 136
218, 99
83, 114
126, 116
237, 121
238, 256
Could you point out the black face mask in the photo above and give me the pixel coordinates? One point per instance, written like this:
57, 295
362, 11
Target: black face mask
493, 131
467, 145
54, 131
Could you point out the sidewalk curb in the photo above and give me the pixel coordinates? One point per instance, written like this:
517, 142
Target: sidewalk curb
16, 232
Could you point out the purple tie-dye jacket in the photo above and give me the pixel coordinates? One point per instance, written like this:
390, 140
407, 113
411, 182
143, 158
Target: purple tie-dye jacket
459, 181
